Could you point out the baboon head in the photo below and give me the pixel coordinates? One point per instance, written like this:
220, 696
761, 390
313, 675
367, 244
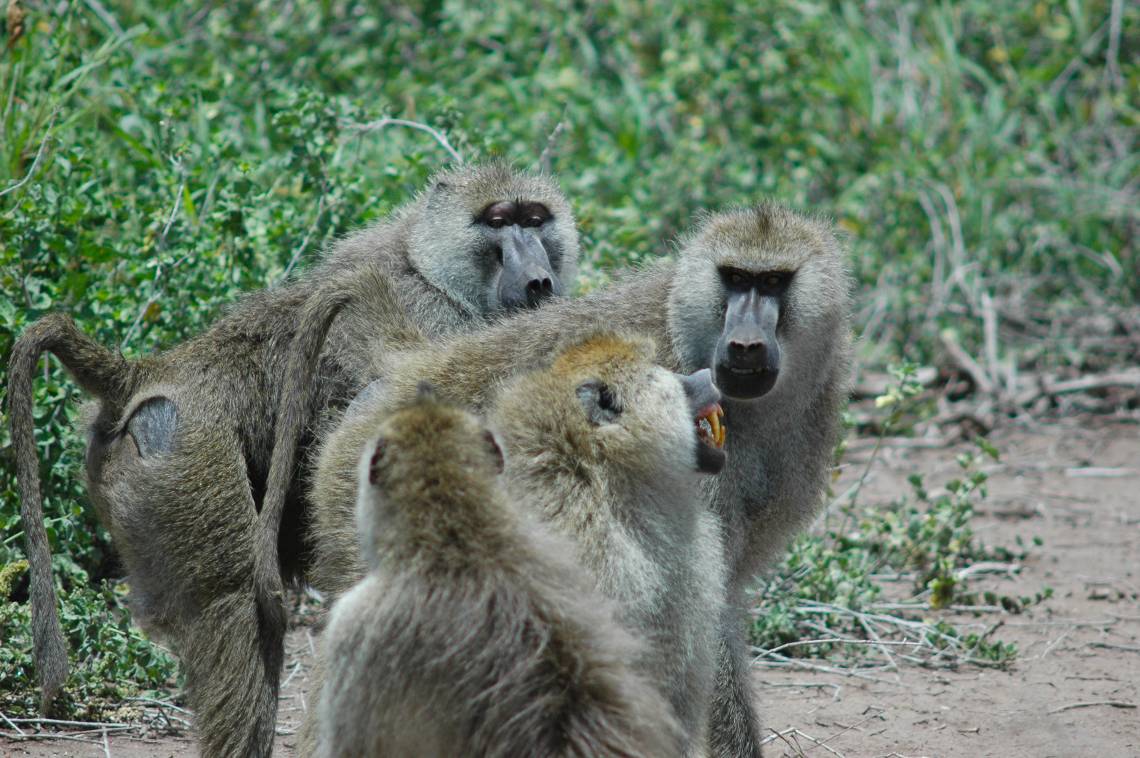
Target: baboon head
495, 239
427, 456
748, 283
604, 406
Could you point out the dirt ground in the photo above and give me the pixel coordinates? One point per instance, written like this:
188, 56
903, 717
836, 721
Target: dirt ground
1073, 691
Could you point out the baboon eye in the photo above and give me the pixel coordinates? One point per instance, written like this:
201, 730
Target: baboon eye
737, 279
598, 401
534, 221
774, 280
496, 222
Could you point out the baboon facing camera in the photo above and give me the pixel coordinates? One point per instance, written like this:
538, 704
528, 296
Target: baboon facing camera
761, 297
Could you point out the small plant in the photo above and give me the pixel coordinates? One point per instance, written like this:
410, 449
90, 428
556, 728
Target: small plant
828, 597
110, 659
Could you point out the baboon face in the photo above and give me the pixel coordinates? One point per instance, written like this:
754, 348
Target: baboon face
496, 239
747, 354
737, 300
606, 403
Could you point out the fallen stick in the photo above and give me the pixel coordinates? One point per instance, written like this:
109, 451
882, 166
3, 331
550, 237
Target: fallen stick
1091, 703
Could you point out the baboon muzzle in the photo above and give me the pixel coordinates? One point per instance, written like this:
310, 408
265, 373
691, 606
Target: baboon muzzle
747, 359
527, 278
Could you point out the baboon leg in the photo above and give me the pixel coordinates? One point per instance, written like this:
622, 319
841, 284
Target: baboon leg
185, 524
315, 681
295, 407
232, 680
734, 727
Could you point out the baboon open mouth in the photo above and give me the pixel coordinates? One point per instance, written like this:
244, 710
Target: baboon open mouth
710, 426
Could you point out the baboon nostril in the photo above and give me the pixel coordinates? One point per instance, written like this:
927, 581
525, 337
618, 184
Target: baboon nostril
547, 287
538, 286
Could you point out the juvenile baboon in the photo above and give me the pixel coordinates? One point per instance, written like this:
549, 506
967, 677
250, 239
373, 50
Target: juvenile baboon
180, 443
474, 632
609, 449
759, 295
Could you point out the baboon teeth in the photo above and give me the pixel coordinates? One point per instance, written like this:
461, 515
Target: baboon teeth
710, 426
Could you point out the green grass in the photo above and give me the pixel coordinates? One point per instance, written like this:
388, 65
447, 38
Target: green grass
159, 158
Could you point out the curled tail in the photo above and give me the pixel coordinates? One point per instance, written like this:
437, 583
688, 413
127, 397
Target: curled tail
108, 376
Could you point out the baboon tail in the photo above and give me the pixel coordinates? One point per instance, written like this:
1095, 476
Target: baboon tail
293, 411
108, 376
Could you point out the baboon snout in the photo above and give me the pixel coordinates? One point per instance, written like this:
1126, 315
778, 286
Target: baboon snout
538, 289
748, 350
699, 389
527, 278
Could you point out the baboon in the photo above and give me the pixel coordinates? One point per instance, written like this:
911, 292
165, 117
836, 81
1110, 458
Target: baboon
761, 296
475, 632
180, 443
609, 449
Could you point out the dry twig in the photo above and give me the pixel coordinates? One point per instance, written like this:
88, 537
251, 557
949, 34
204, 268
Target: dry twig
1092, 703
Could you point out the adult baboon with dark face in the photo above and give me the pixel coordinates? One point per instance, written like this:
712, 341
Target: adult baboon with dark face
180, 443
762, 297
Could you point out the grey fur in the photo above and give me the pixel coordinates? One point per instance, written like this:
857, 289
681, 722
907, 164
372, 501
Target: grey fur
622, 485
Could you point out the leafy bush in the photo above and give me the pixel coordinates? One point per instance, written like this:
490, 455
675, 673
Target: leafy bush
110, 657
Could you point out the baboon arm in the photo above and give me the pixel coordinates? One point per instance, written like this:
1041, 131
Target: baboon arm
107, 376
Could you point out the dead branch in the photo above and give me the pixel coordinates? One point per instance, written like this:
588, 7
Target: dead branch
965, 363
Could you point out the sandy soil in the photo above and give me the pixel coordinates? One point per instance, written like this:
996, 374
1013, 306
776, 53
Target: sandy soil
1076, 485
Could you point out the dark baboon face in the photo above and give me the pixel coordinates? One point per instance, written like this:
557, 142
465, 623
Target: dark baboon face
515, 235
496, 239
747, 355
751, 286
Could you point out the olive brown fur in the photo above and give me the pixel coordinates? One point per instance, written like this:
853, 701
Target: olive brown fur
602, 446
474, 632
181, 443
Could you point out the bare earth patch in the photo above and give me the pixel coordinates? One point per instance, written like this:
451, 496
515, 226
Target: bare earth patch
1073, 691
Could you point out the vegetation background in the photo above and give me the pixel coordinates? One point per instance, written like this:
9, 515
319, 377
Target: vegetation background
157, 159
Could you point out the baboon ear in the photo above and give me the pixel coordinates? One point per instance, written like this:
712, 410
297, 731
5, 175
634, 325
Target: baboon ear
598, 401
494, 449
425, 391
378, 449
